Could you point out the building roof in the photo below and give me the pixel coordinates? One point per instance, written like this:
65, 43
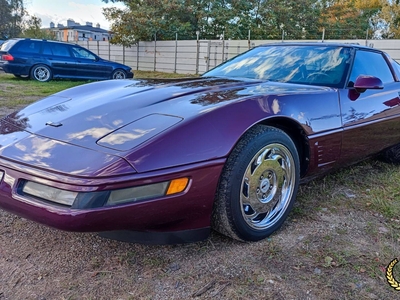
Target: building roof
71, 24
86, 28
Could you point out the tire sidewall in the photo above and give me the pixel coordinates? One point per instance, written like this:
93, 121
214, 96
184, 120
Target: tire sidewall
240, 163
116, 71
41, 66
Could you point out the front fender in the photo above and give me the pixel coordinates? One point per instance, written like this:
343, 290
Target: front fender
212, 134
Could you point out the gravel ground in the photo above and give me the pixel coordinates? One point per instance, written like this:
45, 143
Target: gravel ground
321, 257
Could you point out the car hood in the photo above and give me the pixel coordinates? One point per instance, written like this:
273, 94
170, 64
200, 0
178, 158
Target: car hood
118, 115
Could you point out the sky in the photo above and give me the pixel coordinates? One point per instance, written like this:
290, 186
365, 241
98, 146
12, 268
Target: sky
60, 11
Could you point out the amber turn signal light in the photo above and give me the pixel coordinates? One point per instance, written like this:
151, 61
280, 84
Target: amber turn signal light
177, 186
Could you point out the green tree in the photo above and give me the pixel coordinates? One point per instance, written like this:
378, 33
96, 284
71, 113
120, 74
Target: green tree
266, 19
233, 18
11, 16
298, 19
387, 22
143, 19
32, 29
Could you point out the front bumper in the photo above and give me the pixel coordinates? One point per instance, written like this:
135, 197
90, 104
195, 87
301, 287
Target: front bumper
129, 74
187, 211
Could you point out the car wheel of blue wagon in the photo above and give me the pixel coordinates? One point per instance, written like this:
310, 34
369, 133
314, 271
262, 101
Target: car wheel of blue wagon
118, 74
258, 185
41, 73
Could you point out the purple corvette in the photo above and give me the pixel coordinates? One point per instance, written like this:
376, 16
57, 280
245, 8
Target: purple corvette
164, 161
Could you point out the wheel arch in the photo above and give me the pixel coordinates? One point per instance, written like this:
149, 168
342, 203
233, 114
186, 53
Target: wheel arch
38, 64
296, 132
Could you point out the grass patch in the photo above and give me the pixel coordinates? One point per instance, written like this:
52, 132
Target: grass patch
21, 91
371, 185
13, 86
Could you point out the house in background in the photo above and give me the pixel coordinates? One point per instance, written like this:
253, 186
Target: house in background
76, 32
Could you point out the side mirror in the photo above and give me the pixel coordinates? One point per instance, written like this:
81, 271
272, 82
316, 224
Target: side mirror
366, 82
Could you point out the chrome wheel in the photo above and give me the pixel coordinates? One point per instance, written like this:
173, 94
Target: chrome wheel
41, 73
119, 74
267, 186
258, 185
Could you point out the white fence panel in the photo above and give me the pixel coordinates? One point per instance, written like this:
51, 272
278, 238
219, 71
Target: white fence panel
191, 56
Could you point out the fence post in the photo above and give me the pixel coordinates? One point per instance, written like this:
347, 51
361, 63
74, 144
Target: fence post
176, 51
197, 52
109, 50
98, 48
215, 54
323, 34
208, 55
123, 54
366, 38
223, 46
155, 51
227, 51
248, 39
137, 56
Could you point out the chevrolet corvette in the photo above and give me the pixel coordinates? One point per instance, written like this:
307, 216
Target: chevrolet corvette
166, 161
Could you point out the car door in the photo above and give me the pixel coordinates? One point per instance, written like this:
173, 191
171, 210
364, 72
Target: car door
89, 65
60, 59
368, 127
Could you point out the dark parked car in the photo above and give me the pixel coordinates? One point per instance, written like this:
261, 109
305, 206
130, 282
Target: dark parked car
166, 160
44, 60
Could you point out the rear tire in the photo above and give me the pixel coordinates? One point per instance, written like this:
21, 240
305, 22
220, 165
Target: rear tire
22, 76
258, 185
41, 73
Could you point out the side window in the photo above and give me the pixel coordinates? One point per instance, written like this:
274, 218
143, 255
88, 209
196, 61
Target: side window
79, 52
370, 63
29, 46
8, 44
47, 49
60, 50
396, 65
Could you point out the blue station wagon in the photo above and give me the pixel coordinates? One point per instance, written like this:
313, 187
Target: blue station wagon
44, 60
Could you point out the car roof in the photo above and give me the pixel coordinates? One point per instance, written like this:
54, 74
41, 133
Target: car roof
43, 40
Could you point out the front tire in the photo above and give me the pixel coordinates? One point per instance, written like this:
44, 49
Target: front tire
118, 74
258, 185
392, 155
41, 73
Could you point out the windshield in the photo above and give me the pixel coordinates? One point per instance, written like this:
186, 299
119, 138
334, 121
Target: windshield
324, 65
